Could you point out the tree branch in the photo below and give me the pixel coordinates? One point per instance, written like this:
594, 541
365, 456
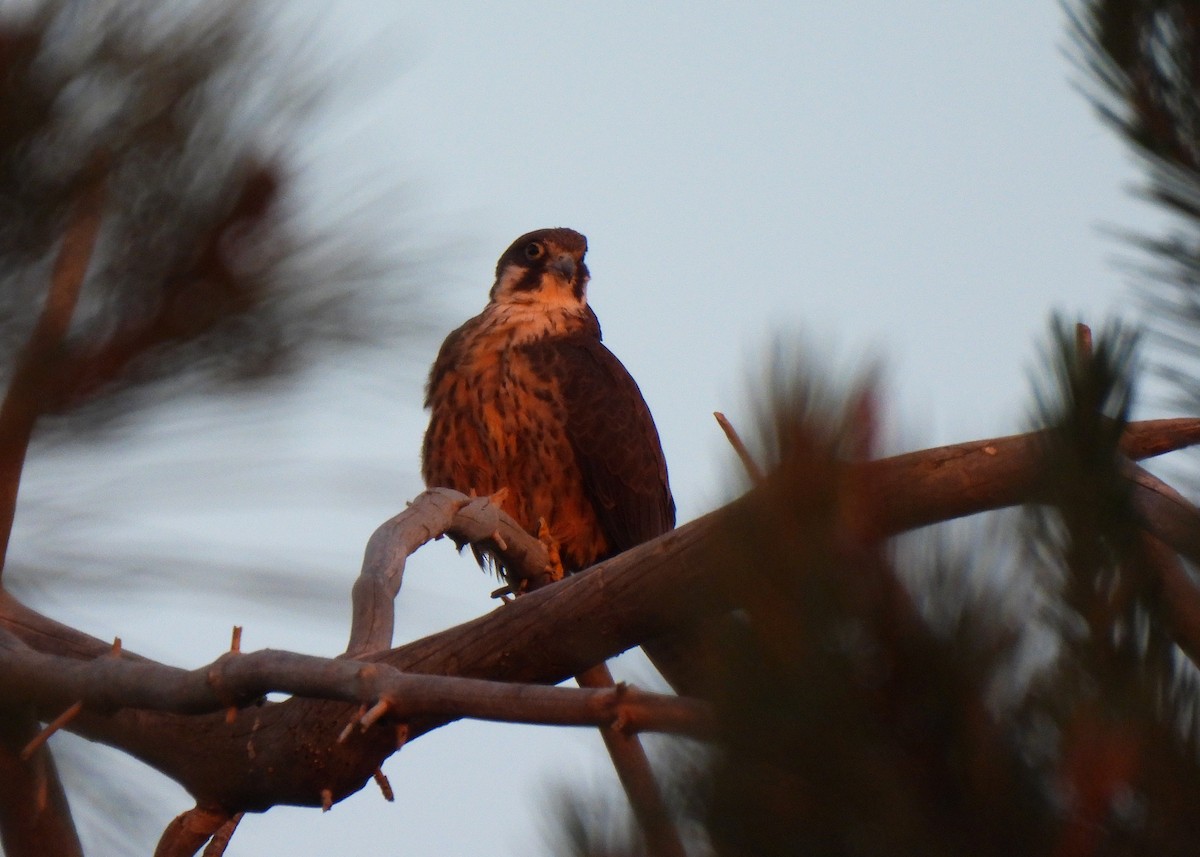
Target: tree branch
187, 833
542, 637
637, 777
1180, 597
434, 513
108, 684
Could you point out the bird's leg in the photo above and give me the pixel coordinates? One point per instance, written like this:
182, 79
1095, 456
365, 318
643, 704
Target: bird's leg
555, 566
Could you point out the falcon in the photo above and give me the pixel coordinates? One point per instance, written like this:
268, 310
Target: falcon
526, 402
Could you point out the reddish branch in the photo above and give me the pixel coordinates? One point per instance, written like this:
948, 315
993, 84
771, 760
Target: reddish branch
757, 477
289, 753
188, 832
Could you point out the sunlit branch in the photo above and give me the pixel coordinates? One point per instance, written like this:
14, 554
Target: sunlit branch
187, 832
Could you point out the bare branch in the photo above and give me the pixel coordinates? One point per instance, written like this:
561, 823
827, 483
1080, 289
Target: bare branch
107, 684
637, 777
543, 637
434, 513
55, 725
188, 832
757, 477
385, 787
934, 485
220, 840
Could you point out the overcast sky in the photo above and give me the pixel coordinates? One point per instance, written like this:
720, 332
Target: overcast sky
912, 183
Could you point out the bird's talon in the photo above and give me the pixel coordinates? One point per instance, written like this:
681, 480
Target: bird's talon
554, 567
504, 593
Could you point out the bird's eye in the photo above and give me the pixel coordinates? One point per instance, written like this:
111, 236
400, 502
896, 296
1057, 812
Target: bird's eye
534, 251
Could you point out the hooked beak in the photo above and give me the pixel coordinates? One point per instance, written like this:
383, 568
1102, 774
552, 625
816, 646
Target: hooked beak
565, 265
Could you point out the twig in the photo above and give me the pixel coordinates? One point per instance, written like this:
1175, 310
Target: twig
356, 720
757, 477
187, 833
34, 815
377, 711
35, 365
235, 648
220, 841
53, 726
385, 787
1083, 341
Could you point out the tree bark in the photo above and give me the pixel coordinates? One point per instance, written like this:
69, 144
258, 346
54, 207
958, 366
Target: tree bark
289, 752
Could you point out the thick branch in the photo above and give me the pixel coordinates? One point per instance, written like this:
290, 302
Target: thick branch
922, 488
543, 637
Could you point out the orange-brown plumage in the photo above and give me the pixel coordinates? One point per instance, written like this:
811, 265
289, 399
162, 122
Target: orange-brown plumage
525, 397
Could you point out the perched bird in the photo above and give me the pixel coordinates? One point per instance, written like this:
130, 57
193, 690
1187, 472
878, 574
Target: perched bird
524, 397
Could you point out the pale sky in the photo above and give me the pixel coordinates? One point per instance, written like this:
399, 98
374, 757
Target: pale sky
914, 183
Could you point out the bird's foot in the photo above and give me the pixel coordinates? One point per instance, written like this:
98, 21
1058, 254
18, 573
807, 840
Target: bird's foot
554, 567
506, 593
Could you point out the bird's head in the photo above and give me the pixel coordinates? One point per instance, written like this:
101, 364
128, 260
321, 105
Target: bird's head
543, 267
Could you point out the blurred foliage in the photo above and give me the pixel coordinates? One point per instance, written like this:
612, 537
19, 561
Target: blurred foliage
1141, 59
202, 272
850, 726
212, 273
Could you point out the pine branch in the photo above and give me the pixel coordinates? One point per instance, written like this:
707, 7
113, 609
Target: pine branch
108, 684
543, 637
